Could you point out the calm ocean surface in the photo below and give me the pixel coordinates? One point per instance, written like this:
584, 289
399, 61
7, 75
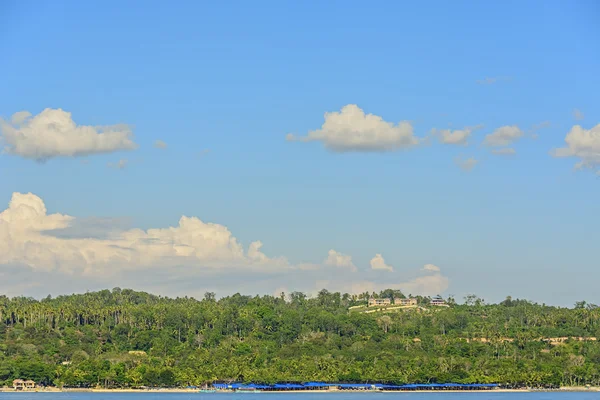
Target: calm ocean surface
301, 396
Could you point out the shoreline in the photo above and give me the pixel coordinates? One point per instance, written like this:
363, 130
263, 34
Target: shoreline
185, 390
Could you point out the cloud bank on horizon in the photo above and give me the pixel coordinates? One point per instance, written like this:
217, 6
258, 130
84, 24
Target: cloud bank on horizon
34, 248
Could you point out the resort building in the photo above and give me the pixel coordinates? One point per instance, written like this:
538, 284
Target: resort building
20, 384
387, 302
379, 302
406, 302
437, 301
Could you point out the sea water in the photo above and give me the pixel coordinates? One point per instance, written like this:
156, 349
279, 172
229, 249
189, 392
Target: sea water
304, 396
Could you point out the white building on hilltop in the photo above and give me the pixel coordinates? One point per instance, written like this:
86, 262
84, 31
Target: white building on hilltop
437, 301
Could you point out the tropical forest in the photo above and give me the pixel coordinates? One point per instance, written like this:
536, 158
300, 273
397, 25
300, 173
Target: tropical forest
123, 338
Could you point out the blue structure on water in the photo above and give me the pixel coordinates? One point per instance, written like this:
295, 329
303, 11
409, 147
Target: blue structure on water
307, 386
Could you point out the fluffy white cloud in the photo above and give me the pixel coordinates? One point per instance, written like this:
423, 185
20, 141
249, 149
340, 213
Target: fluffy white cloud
503, 136
19, 117
26, 238
53, 133
583, 144
507, 151
159, 144
378, 263
353, 130
456, 137
578, 115
337, 259
431, 267
466, 164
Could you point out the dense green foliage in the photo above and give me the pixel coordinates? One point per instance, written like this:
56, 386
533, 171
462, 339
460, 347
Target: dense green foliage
126, 338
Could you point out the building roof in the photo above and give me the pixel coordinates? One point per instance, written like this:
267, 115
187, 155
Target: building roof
354, 385
287, 386
318, 384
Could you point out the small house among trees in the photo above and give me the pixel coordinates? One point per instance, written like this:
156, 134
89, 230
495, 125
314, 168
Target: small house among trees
20, 384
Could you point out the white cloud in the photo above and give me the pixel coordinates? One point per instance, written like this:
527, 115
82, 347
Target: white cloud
507, 151
456, 137
503, 136
466, 164
19, 117
431, 267
378, 263
427, 285
578, 115
337, 259
42, 252
92, 227
26, 238
52, 133
121, 164
583, 144
353, 130
159, 144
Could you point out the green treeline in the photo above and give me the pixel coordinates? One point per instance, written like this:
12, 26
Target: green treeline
123, 338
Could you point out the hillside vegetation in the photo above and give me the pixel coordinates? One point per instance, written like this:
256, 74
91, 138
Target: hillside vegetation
123, 338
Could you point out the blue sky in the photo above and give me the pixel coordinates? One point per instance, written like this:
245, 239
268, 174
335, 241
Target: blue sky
223, 83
